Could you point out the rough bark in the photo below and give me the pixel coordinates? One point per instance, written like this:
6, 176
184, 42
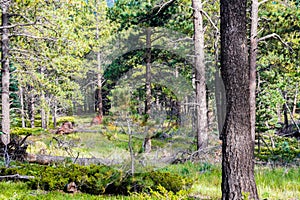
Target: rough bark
200, 76
237, 141
5, 137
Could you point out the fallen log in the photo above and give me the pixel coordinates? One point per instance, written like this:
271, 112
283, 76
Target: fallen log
16, 176
47, 159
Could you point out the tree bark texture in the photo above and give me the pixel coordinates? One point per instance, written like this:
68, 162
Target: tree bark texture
5, 137
237, 141
200, 76
253, 56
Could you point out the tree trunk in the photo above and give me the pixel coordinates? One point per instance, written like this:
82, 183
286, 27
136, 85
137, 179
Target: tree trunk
295, 101
43, 104
21, 96
31, 107
99, 101
285, 109
237, 141
200, 76
148, 73
5, 138
147, 139
253, 56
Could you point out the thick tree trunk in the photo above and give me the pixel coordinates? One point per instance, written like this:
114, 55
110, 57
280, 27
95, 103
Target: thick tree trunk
253, 56
200, 76
5, 138
237, 141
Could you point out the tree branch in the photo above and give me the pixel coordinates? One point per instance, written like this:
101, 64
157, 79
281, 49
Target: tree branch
274, 35
262, 2
33, 37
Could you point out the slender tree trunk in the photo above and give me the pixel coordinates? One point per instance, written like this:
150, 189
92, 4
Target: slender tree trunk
295, 101
285, 109
253, 56
200, 76
237, 141
5, 138
148, 72
43, 104
147, 140
99, 101
31, 107
21, 96
43, 112
99, 88
54, 117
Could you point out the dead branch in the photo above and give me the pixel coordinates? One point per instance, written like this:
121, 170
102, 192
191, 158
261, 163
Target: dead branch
47, 159
16, 177
274, 35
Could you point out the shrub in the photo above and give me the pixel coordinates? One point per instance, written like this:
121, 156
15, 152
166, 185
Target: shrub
97, 179
27, 131
61, 120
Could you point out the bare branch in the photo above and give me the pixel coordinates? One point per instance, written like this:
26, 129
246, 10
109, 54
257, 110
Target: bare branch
164, 5
16, 25
262, 2
274, 35
33, 37
210, 20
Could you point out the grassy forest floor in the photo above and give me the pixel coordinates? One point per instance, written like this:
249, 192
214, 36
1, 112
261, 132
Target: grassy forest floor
110, 142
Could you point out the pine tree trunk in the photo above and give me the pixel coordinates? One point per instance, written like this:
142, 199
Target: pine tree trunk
237, 141
5, 138
200, 76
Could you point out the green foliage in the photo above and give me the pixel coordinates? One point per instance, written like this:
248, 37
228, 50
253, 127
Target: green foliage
95, 179
27, 131
277, 148
61, 120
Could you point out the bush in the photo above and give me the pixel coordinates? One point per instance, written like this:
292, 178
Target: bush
27, 131
97, 179
61, 120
